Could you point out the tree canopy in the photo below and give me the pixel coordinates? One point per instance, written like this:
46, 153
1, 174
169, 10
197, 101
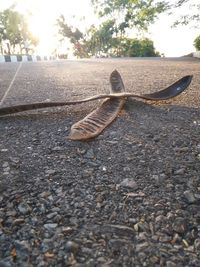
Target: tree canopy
104, 41
141, 13
74, 34
192, 16
130, 13
197, 43
110, 37
14, 31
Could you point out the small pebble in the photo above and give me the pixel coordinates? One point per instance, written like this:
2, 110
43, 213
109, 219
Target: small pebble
129, 183
190, 197
72, 247
50, 172
180, 225
50, 226
24, 208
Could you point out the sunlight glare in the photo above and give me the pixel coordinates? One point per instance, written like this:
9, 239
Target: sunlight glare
40, 28
42, 22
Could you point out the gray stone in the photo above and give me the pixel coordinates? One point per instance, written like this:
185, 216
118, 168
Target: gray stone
154, 259
180, 171
72, 247
51, 215
197, 244
126, 169
89, 154
170, 264
160, 218
14, 159
5, 164
129, 183
141, 246
159, 179
5, 264
50, 226
50, 172
24, 208
190, 197
180, 225
22, 249
57, 148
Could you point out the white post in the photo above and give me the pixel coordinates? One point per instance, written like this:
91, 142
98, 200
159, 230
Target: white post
24, 58
2, 59
13, 58
34, 58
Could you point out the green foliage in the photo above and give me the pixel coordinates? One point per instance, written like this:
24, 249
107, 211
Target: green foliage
147, 48
100, 40
192, 17
109, 39
130, 13
95, 41
197, 43
14, 30
106, 40
67, 31
75, 36
128, 47
141, 13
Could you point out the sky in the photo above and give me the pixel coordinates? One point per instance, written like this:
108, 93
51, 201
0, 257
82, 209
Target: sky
174, 41
170, 41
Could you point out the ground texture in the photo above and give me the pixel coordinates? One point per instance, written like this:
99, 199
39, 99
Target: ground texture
130, 197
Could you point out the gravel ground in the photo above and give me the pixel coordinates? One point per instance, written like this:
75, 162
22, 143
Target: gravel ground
130, 197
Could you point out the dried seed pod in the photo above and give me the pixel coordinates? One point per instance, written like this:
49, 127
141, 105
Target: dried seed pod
94, 123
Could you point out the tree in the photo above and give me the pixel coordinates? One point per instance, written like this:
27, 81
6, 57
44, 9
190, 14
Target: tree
67, 31
75, 36
147, 48
95, 42
134, 48
105, 40
130, 13
197, 43
141, 13
14, 31
100, 40
190, 17
9, 23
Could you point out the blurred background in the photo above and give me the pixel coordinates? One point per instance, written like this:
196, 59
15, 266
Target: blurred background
99, 28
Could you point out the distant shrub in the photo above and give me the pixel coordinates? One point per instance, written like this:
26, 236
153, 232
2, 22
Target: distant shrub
197, 43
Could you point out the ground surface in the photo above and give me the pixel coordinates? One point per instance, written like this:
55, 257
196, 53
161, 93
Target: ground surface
128, 198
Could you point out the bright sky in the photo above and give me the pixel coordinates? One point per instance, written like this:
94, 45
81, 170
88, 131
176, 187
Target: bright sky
172, 42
